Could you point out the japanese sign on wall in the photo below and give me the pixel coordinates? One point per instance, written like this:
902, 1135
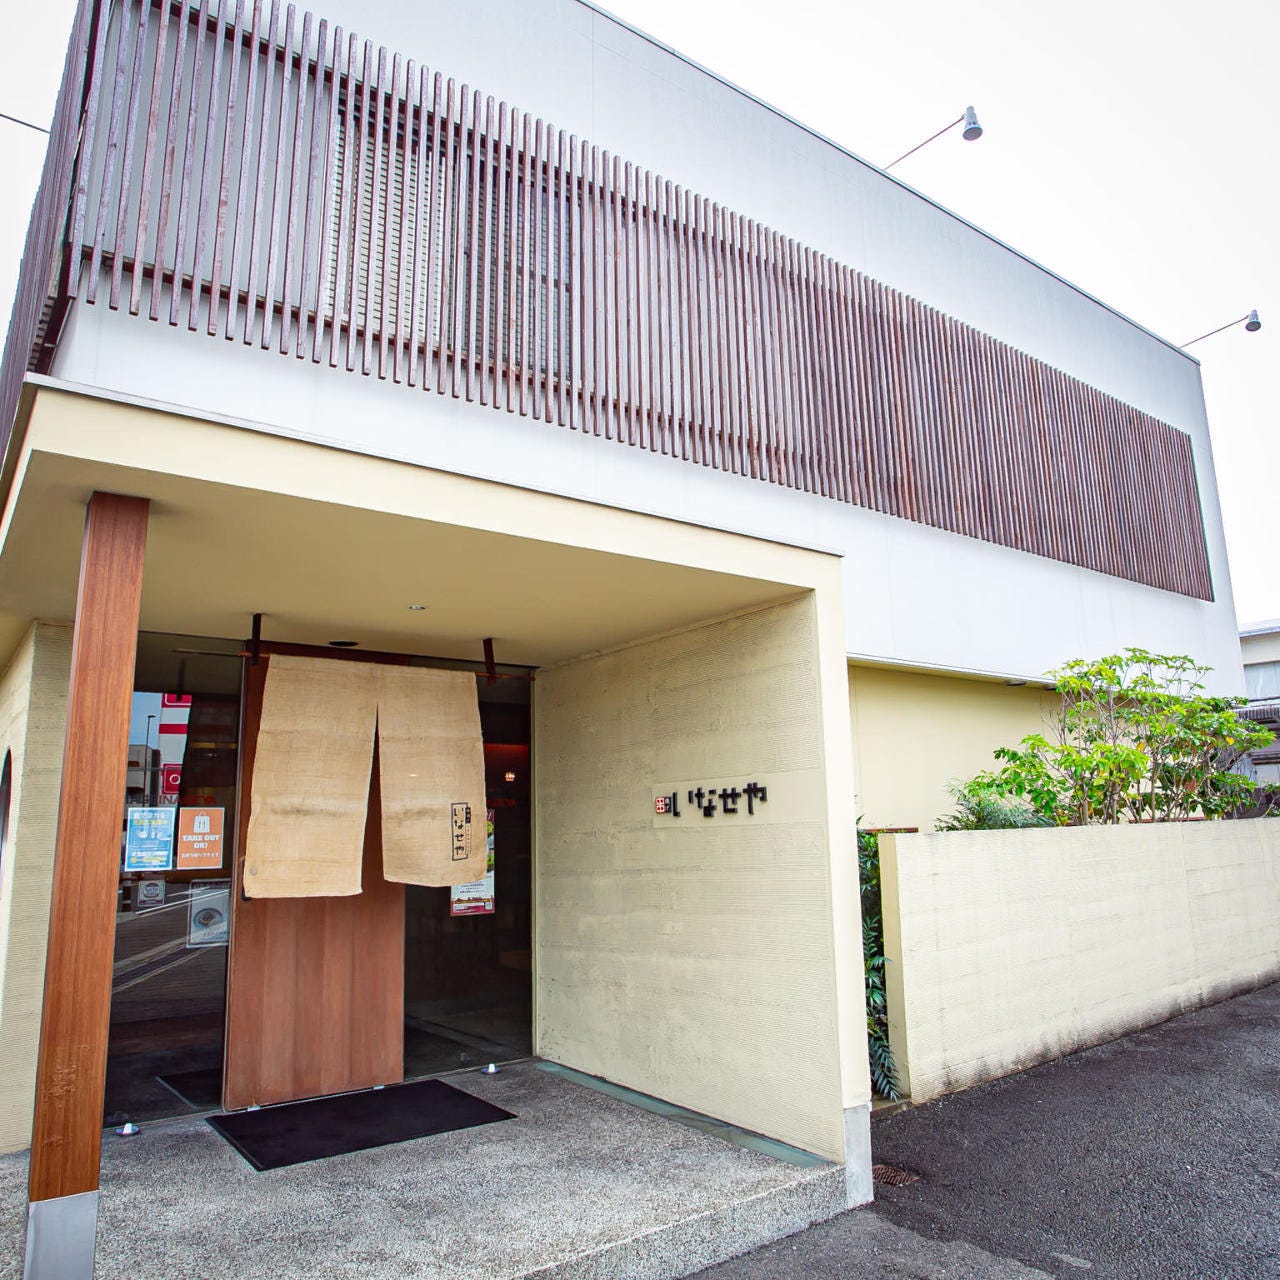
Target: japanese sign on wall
209, 913
148, 843
755, 799
711, 800
476, 898
199, 840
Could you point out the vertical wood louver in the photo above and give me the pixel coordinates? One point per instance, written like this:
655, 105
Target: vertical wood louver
284, 184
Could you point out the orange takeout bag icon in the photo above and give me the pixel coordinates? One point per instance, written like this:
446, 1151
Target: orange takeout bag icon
199, 840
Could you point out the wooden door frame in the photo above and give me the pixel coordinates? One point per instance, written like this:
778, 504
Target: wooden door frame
382, 1062
255, 657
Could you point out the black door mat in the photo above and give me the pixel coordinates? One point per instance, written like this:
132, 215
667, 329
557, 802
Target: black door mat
199, 1089
296, 1132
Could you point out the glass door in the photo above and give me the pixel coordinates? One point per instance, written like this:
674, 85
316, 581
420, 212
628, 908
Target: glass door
168, 991
468, 978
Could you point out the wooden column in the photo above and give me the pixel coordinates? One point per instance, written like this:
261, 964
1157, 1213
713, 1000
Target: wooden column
70, 1077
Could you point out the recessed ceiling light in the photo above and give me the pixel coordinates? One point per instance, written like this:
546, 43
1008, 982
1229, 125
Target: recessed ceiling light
416, 608
343, 644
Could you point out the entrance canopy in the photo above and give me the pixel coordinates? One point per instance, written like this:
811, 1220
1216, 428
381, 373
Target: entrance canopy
673, 657
334, 546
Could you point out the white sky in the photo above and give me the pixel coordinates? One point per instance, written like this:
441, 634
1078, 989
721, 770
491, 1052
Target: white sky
1130, 146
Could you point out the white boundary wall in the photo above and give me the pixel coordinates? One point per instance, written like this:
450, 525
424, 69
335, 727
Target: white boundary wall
1009, 948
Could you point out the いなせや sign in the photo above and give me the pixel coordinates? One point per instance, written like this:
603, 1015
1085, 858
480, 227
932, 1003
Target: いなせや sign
711, 800
747, 799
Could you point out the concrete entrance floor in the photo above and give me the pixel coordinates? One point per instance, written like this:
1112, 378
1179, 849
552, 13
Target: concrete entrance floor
579, 1186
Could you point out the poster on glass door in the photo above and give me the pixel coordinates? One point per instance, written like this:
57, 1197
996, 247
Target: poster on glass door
148, 839
476, 898
209, 913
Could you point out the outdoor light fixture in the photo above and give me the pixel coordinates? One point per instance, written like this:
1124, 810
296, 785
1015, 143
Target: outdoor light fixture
416, 608
972, 132
1251, 325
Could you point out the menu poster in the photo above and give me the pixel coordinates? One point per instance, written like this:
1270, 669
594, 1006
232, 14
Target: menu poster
148, 844
476, 898
209, 913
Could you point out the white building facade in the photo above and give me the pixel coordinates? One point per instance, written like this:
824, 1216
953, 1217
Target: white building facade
499, 337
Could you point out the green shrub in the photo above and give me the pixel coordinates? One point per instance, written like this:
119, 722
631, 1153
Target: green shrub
1136, 738
980, 806
884, 1077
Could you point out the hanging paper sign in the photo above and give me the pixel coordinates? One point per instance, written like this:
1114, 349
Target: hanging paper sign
199, 840
149, 839
209, 913
476, 898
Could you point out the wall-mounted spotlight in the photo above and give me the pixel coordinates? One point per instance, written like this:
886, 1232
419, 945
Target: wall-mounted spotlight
1251, 325
971, 133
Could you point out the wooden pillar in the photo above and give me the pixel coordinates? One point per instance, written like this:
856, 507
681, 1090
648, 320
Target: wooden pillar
71, 1071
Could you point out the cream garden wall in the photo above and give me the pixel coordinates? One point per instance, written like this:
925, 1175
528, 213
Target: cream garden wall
1008, 948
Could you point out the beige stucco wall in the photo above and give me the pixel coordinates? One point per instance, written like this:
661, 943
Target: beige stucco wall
1263, 648
698, 963
914, 733
33, 702
1008, 948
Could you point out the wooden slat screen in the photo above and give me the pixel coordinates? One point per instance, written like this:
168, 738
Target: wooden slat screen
271, 179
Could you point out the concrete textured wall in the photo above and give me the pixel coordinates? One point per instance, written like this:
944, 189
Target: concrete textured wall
33, 709
693, 963
1008, 948
914, 733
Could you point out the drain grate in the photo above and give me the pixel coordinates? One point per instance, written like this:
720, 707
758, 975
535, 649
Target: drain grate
888, 1176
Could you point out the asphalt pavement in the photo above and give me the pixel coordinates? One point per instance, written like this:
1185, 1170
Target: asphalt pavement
1154, 1157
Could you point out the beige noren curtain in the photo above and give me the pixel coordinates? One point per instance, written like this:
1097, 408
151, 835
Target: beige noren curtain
310, 788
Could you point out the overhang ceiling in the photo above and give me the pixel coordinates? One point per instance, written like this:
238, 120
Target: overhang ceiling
319, 571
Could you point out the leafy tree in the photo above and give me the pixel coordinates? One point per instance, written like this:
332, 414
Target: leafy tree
1136, 738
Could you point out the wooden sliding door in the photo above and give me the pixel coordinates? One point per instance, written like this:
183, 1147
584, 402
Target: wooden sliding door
315, 986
